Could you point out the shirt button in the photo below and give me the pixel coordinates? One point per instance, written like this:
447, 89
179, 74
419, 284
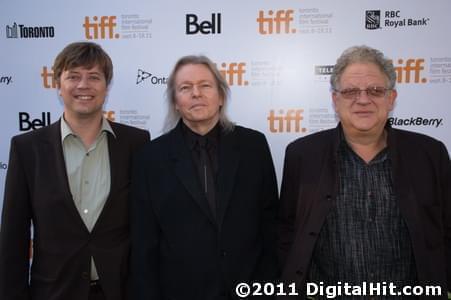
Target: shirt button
85, 211
86, 182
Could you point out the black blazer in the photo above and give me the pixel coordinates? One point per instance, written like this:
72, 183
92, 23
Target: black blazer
37, 191
178, 250
422, 183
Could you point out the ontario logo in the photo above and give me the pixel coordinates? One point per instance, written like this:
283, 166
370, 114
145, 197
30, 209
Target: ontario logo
152, 78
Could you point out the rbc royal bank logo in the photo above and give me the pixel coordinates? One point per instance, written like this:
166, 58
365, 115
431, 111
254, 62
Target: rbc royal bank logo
373, 19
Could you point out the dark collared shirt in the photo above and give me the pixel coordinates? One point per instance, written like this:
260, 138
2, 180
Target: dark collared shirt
204, 151
364, 237
212, 137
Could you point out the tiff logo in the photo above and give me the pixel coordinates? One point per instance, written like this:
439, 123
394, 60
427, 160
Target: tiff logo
406, 69
275, 22
289, 121
103, 28
110, 115
233, 73
47, 78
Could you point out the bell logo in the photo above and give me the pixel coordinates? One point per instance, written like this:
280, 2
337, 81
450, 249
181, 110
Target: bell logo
26, 124
273, 22
233, 73
409, 70
47, 78
103, 28
110, 115
205, 27
289, 121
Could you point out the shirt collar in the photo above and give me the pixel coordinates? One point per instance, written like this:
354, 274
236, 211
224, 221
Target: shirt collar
192, 137
347, 150
66, 130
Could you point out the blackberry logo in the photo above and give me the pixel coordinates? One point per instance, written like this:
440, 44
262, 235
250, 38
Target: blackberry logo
6, 79
372, 19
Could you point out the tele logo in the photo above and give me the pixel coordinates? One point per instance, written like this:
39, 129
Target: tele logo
286, 121
26, 123
212, 26
47, 78
273, 22
233, 73
100, 27
410, 70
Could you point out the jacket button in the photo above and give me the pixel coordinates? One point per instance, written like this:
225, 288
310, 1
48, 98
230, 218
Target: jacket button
299, 272
223, 254
85, 275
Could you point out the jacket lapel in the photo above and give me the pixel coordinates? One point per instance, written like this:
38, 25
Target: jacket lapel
401, 179
53, 149
229, 158
113, 153
185, 171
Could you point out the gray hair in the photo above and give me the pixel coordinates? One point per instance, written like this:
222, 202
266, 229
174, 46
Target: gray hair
173, 116
363, 54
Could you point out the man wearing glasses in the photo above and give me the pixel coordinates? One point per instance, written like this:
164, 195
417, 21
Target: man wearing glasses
364, 202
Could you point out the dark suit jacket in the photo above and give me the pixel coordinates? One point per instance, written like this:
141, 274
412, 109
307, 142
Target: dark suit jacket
37, 191
422, 183
178, 250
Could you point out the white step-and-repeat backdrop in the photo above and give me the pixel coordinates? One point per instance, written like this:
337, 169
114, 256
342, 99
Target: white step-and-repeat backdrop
276, 56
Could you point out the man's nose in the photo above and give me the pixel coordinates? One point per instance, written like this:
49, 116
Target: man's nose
83, 83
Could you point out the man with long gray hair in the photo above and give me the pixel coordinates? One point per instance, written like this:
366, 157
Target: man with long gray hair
204, 197
365, 203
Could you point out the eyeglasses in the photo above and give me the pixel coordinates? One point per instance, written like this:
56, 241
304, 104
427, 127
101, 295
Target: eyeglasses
375, 92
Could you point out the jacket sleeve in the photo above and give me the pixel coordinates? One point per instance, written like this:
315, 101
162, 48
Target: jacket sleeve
144, 267
446, 192
269, 215
15, 231
288, 204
